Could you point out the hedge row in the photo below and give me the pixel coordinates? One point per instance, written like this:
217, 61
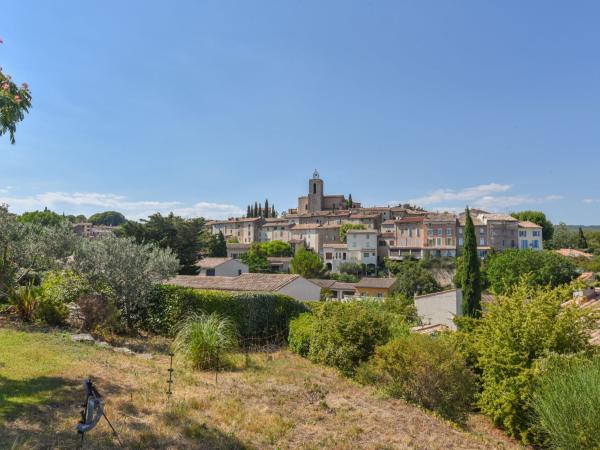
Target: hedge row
256, 315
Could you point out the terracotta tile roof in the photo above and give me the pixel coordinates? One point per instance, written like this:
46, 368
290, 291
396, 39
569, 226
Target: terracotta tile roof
594, 305
342, 286
211, 263
250, 282
503, 217
335, 245
528, 224
364, 216
372, 231
587, 276
370, 282
388, 222
305, 226
410, 219
476, 220
323, 283
236, 220
573, 253
440, 218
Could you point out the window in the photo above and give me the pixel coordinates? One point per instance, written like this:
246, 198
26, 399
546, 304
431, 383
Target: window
430, 242
460, 231
210, 272
535, 243
239, 271
448, 231
372, 254
448, 241
461, 241
365, 254
430, 232
344, 255
440, 231
523, 244
481, 241
314, 188
536, 233
439, 242
522, 233
481, 230
328, 255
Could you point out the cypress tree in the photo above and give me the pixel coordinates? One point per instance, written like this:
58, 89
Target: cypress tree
350, 202
273, 212
249, 211
255, 213
267, 210
220, 249
260, 211
470, 279
582, 241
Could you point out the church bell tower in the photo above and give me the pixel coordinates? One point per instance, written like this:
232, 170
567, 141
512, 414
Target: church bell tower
315, 193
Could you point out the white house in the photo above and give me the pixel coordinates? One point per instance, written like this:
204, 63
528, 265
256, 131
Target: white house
439, 308
221, 267
295, 286
362, 246
530, 236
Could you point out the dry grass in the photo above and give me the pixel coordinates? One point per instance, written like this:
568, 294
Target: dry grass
271, 401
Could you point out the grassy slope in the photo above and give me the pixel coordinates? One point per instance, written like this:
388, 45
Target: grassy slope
279, 401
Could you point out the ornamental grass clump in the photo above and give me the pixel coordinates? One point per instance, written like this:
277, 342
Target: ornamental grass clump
567, 403
206, 340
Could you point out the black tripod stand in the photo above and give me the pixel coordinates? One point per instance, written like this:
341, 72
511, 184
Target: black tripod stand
93, 411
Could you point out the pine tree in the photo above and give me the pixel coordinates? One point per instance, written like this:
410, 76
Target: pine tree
249, 212
470, 279
267, 210
582, 241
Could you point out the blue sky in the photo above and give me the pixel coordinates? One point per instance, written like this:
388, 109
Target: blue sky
203, 107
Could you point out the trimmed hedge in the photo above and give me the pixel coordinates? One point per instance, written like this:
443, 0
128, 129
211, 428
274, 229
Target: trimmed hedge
256, 315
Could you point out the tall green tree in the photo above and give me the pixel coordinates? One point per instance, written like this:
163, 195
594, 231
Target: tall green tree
15, 102
219, 248
255, 211
273, 212
582, 241
266, 210
186, 237
249, 212
256, 259
538, 218
470, 283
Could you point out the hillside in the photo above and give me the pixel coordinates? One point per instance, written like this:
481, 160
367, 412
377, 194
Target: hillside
275, 400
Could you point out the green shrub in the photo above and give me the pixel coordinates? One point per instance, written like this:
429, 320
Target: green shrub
259, 315
301, 331
567, 403
50, 311
515, 332
346, 334
424, 370
205, 340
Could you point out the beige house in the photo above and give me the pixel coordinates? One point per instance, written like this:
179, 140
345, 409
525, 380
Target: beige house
236, 250
481, 235
245, 230
502, 230
409, 238
225, 267
275, 229
295, 286
315, 236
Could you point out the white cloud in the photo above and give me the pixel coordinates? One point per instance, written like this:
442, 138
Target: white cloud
87, 202
484, 196
590, 201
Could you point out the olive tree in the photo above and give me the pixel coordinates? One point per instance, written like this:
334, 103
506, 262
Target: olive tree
128, 269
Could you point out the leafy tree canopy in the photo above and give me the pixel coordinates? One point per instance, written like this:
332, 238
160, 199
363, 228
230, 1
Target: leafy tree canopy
307, 264
111, 218
276, 248
505, 269
256, 259
537, 217
44, 218
412, 279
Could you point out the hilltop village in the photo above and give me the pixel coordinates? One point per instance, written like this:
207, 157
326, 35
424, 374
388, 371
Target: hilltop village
372, 234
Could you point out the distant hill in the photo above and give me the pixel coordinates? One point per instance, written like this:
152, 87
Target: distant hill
584, 227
